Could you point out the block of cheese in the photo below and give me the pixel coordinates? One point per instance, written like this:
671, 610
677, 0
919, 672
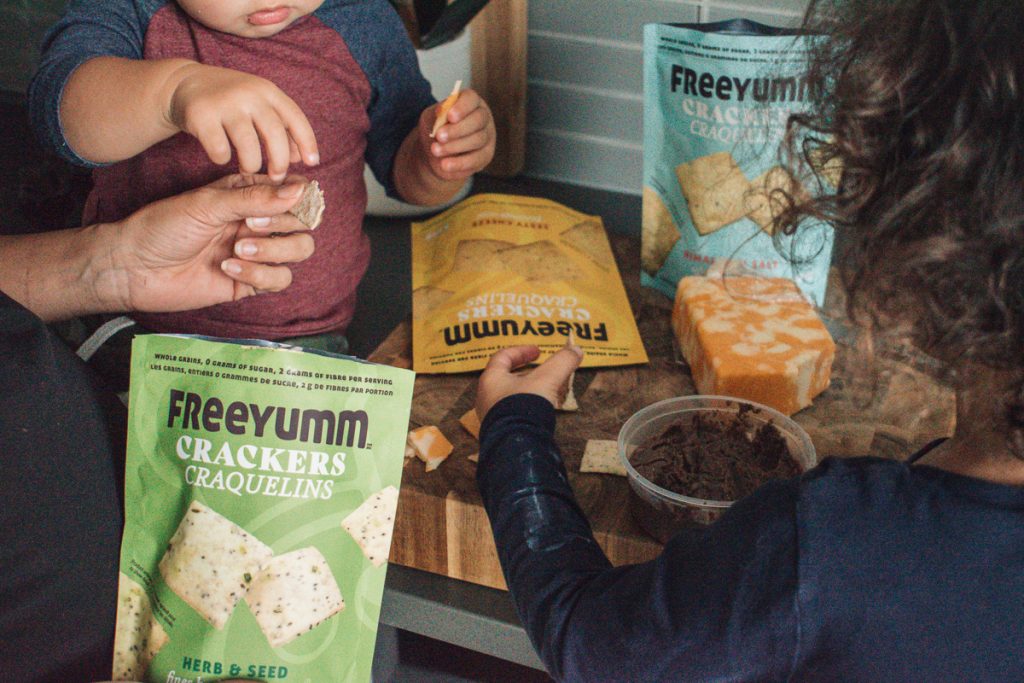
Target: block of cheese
430, 446
754, 338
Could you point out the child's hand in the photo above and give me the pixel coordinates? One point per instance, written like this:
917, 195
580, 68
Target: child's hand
550, 379
226, 109
465, 144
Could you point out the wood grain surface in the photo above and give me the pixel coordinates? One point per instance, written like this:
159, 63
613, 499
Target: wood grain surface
499, 75
889, 405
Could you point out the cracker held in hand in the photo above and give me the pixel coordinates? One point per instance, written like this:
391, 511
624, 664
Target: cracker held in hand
714, 187
310, 209
210, 561
660, 232
444, 108
602, 456
138, 636
293, 594
371, 524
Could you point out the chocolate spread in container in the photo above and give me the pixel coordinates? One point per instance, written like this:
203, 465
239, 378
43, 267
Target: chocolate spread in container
721, 456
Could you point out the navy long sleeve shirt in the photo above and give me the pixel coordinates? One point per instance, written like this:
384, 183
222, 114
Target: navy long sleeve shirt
861, 570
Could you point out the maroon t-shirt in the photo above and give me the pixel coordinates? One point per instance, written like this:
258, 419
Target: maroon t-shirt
312, 63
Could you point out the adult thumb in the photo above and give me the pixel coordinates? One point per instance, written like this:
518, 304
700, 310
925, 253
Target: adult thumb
225, 205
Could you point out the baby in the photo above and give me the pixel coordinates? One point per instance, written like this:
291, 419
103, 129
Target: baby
160, 96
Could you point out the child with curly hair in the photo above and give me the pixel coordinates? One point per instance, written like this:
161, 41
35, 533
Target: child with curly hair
863, 569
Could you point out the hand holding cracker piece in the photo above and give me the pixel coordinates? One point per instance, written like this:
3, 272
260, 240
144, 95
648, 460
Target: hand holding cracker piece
549, 380
458, 135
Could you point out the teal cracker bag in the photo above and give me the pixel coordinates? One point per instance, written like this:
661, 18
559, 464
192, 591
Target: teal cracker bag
260, 493
716, 101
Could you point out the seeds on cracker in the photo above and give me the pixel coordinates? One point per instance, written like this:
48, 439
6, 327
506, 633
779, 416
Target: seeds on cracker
310, 208
660, 232
209, 562
442, 109
714, 188
770, 194
293, 594
371, 524
588, 238
138, 636
602, 456
430, 445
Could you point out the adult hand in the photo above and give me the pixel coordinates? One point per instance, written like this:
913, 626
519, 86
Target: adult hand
550, 379
226, 109
219, 243
465, 144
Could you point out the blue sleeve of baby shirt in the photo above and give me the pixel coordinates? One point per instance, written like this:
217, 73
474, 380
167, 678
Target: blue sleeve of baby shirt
376, 37
88, 29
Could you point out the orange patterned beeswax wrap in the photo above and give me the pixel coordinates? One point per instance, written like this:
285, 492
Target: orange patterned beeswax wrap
498, 270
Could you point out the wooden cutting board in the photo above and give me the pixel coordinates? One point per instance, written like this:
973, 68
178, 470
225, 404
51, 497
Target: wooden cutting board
441, 526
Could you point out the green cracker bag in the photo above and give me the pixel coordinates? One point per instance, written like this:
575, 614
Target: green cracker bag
260, 493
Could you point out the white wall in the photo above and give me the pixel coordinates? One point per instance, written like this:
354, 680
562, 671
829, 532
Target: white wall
585, 97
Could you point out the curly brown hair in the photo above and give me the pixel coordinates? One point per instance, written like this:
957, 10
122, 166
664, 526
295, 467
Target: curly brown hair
921, 104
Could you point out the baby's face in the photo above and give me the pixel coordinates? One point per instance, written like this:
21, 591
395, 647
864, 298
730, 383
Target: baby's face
249, 18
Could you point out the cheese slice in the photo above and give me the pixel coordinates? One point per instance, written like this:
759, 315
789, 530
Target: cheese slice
471, 423
753, 338
430, 446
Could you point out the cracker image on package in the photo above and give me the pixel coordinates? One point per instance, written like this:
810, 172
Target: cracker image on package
588, 238
244, 457
371, 524
714, 187
293, 593
138, 636
715, 161
659, 232
210, 562
770, 194
519, 270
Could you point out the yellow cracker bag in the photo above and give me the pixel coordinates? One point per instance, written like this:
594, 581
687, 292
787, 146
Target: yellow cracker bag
498, 270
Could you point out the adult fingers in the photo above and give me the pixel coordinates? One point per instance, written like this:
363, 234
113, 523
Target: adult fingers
279, 249
218, 205
261, 277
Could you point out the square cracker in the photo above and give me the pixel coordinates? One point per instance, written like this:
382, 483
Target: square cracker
310, 207
588, 238
770, 194
209, 562
602, 456
371, 524
427, 299
479, 255
138, 637
659, 232
540, 261
714, 187
293, 594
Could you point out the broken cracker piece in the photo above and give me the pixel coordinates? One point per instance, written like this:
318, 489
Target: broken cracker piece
310, 209
602, 456
475, 457
430, 445
444, 108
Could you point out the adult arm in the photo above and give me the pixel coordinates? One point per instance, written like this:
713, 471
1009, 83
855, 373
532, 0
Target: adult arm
718, 603
219, 243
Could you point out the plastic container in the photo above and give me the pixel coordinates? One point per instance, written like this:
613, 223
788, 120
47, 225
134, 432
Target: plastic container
660, 512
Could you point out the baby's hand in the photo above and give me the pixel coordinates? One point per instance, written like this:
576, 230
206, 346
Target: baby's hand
465, 144
226, 109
